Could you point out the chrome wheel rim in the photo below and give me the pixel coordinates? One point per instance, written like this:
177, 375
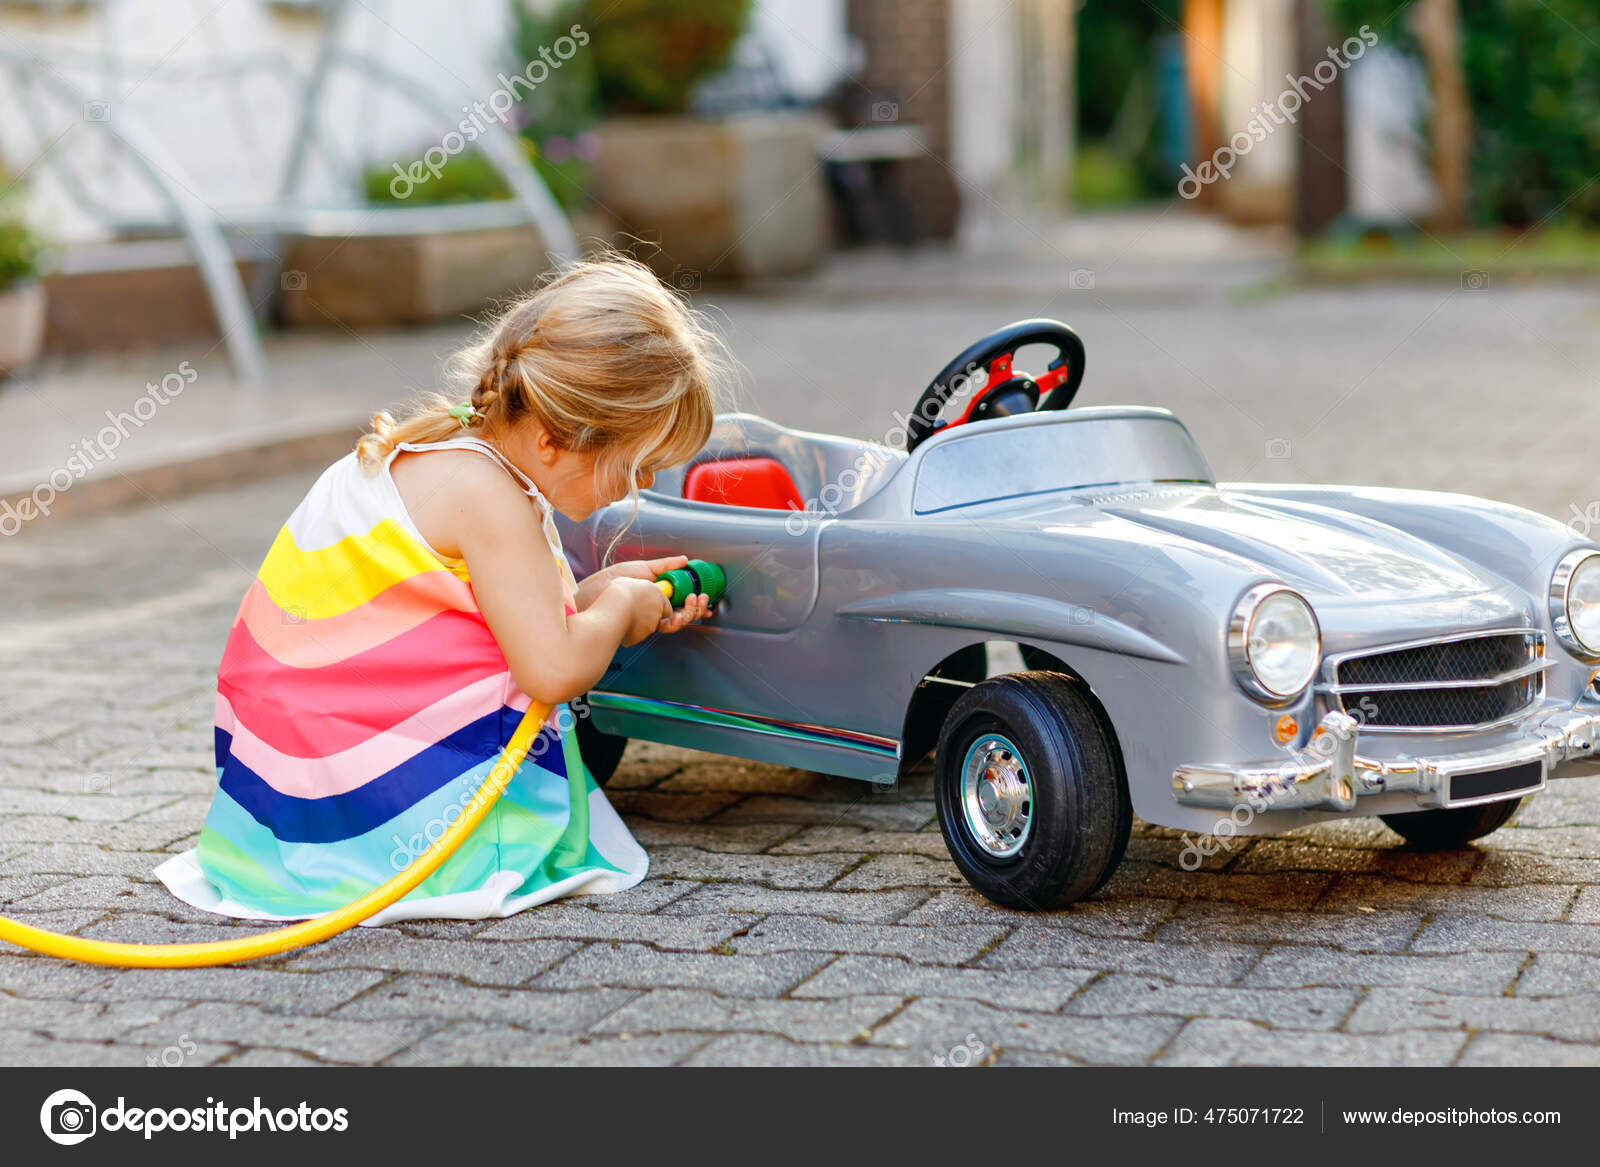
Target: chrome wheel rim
996, 796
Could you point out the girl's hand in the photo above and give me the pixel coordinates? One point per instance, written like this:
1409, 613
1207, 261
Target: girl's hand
694, 610
650, 610
645, 569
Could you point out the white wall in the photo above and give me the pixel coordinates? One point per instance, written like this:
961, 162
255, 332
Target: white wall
808, 39
1258, 52
984, 93
228, 136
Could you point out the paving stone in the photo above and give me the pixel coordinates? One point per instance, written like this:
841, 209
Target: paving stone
1357, 931
890, 871
1042, 990
120, 836
642, 967
749, 1049
504, 963
1516, 902
1567, 841
1100, 916
182, 1051
79, 859
1297, 965
649, 896
269, 1059
865, 810
1274, 891
1555, 974
45, 977
1576, 1017
658, 1049
28, 1049
1511, 1049
1478, 934
636, 805
943, 944
1438, 867
82, 1020
962, 1031
468, 1043
107, 892
1245, 1043
711, 774
862, 841
665, 1010
1032, 1058
1124, 994
284, 992
426, 997
745, 900
326, 1039
744, 838
1516, 868
1032, 946
569, 921
790, 871
1585, 907
90, 807
17, 890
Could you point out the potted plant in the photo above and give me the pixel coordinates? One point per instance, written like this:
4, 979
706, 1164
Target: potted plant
737, 196
22, 298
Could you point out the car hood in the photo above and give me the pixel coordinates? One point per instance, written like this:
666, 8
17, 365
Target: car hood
1331, 556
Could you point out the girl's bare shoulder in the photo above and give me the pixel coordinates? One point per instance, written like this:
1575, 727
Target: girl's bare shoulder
449, 492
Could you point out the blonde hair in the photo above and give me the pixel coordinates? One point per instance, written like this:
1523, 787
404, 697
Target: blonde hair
602, 355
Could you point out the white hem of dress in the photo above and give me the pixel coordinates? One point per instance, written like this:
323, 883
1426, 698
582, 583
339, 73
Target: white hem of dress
184, 878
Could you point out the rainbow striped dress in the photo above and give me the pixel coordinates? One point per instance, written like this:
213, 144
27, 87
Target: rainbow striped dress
361, 702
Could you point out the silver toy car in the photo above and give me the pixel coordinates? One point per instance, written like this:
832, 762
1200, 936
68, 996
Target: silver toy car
1220, 658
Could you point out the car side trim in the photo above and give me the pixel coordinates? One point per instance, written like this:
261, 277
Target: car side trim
1008, 614
750, 722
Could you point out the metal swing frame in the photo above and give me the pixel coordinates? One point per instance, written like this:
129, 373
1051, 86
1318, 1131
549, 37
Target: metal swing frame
207, 229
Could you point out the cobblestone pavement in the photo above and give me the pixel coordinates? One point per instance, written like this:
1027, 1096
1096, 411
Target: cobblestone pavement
792, 918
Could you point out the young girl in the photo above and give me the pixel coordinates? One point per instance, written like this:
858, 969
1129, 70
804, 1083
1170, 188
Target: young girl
418, 599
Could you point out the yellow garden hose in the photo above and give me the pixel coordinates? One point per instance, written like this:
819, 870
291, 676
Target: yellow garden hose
310, 931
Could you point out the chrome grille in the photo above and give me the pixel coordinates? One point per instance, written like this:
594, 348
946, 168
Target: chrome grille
1465, 682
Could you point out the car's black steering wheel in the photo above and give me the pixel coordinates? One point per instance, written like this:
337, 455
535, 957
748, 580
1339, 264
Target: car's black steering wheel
1008, 391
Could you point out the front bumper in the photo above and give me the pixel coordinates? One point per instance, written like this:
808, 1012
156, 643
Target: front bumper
1331, 774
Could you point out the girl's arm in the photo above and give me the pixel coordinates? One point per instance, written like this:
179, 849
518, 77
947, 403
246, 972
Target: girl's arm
553, 657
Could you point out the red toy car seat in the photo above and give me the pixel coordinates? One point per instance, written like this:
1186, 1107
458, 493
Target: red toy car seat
743, 482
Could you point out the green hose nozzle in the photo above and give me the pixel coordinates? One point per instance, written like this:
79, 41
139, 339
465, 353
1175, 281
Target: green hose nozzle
696, 577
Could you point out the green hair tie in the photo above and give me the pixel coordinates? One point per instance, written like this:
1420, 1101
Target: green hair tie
464, 413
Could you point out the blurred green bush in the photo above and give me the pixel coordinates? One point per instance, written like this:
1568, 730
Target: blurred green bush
1533, 77
22, 249
649, 54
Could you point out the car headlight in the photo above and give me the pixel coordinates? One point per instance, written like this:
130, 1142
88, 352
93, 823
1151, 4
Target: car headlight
1274, 643
1575, 603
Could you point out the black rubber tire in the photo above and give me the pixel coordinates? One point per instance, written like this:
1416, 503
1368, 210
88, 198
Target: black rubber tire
1081, 815
1445, 830
602, 752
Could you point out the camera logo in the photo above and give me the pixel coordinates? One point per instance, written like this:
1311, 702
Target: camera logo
68, 1117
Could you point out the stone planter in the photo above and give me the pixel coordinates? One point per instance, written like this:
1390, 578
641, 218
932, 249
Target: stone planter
21, 325
732, 198
383, 280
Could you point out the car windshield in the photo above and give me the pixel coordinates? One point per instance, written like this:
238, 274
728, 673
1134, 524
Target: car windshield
1070, 453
